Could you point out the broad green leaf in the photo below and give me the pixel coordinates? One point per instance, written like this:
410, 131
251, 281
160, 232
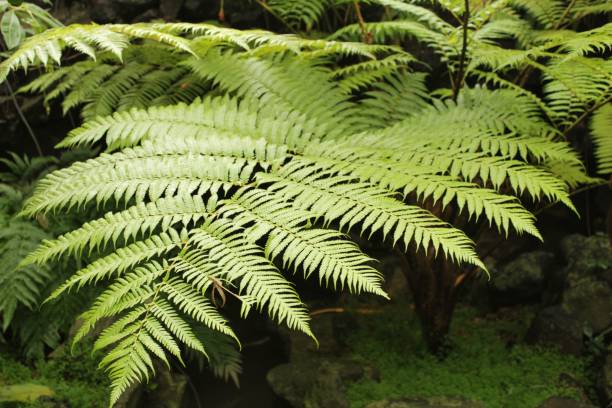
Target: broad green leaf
24, 392
12, 31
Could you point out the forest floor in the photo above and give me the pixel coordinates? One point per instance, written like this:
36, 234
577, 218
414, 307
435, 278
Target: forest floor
487, 361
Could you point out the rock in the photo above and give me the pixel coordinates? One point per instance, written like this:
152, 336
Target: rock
317, 377
148, 15
316, 382
590, 300
431, 402
562, 402
324, 327
588, 256
521, 280
104, 11
554, 325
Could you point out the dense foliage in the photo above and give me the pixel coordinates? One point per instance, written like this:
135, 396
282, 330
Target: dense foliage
231, 156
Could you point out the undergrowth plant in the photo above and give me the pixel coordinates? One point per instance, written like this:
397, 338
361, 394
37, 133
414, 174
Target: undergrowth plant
232, 156
21, 291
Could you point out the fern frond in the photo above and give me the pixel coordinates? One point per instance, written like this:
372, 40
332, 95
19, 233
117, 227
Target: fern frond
294, 86
244, 264
47, 46
105, 99
147, 171
419, 13
351, 203
360, 75
590, 42
131, 289
151, 322
499, 210
574, 85
388, 31
143, 218
393, 100
547, 13
494, 79
121, 260
337, 260
299, 12
585, 9
225, 359
90, 39
211, 118
88, 85
601, 128
19, 286
193, 304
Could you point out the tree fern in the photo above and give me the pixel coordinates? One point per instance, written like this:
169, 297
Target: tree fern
232, 156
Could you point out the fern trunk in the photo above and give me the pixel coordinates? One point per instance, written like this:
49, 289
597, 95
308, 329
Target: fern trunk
432, 282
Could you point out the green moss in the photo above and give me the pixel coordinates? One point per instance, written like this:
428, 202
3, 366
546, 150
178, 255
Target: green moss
74, 380
482, 366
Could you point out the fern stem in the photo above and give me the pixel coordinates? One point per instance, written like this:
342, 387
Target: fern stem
269, 9
366, 37
19, 111
573, 193
155, 294
460, 74
23, 118
586, 113
564, 15
192, 387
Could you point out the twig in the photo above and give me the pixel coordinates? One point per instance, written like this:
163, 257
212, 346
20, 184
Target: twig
460, 74
361, 310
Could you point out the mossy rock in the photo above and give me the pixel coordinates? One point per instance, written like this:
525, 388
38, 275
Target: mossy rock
24, 392
522, 280
561, 402
316, 382
590, 300
588, 256
431, 402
